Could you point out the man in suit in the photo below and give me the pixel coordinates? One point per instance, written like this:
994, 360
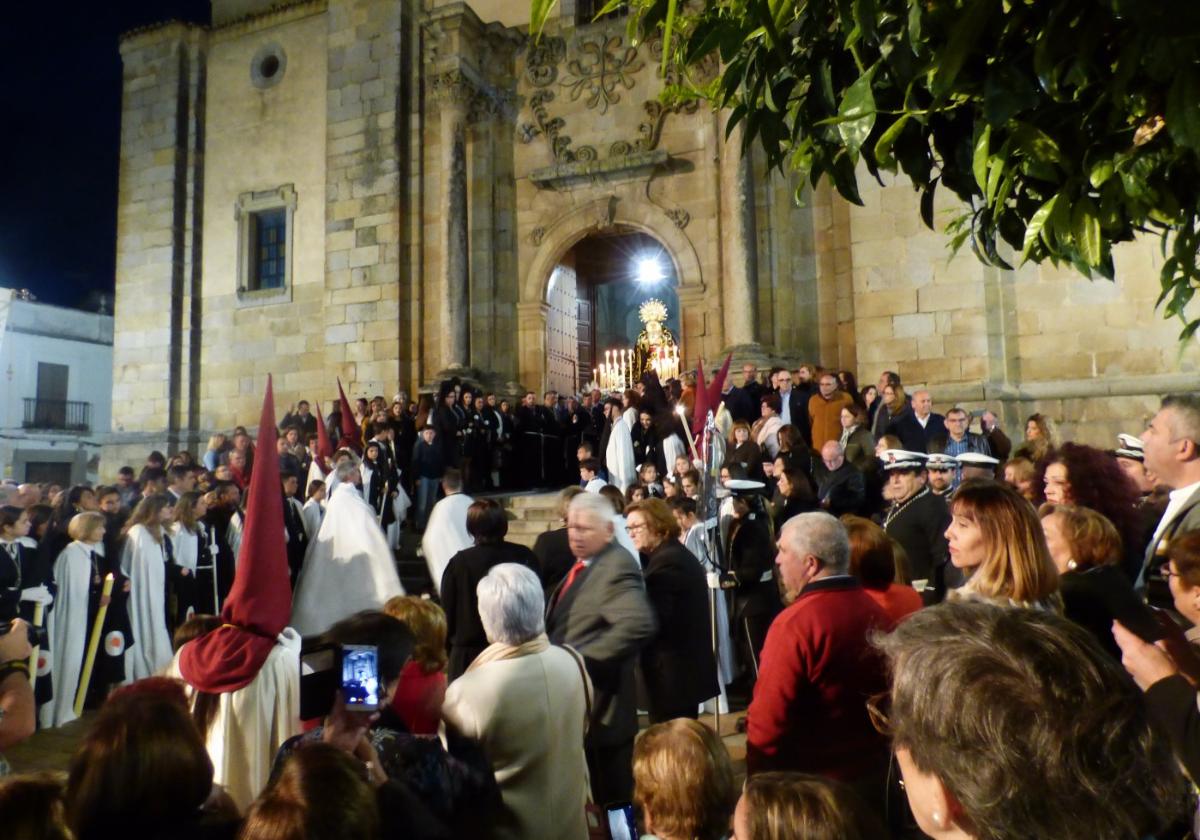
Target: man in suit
553, 552
601, 610
933, 424
793, 402
1171, 444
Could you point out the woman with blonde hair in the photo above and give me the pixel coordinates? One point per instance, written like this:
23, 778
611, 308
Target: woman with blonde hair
1021, 473
683, 781
996, 540
418, 698
77, 572
796, 806
144, 562
216, 448
1040, 439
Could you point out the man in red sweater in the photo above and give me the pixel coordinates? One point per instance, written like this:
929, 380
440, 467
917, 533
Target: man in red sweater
818, 670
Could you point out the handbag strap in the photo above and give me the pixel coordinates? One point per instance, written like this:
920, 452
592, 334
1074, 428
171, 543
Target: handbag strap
587, 689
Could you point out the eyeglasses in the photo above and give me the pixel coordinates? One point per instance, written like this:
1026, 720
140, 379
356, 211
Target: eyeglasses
633, 529
1168, 573
878, 707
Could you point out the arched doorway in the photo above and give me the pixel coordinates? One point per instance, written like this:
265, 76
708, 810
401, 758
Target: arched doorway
594, 295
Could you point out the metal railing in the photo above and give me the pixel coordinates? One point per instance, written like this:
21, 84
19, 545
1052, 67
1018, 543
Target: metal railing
57, 415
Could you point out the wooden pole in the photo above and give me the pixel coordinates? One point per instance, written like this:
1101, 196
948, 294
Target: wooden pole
39, 616
89, 660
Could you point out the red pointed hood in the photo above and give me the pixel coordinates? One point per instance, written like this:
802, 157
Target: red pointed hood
260, 603
324, 447
351, 437
701, 405
718, 384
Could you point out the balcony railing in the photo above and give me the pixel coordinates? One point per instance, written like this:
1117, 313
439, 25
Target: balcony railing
57, 415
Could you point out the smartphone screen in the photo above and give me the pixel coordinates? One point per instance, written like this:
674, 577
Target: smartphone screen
360, 677
621, 825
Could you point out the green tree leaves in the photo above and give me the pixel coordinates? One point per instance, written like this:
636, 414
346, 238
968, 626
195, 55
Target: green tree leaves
1063, 127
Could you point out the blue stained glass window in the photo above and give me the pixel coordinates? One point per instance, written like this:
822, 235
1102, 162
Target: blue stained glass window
268, 235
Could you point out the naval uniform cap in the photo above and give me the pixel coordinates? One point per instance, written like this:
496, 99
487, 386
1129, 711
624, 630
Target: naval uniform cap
941, 461
1131, 447
903, 459
977, 459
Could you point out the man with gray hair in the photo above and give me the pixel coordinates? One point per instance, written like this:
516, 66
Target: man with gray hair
1171, 444
524, 701
601, 610
818, 667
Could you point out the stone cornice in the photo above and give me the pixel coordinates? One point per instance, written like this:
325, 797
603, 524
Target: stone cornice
1065, 389
274, 16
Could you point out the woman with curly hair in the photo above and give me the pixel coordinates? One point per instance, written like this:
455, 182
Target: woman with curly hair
1084, 476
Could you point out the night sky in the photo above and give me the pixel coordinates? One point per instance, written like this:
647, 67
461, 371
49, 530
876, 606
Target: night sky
60, 121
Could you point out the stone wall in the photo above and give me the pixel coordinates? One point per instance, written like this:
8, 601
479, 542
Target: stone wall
158, 237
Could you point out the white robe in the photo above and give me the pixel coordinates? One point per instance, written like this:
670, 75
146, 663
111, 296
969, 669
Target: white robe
348, 568
674, 448
311, 514
233, 535
185, 545
144, 563
694, 541
400, 505
446, 535
314, 474
252, 723
618, 457
630, 416
68, 628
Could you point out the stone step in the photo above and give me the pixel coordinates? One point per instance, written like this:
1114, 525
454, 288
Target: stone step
534, 515
524, 501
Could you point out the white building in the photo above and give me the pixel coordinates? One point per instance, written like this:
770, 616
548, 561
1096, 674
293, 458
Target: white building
55, 390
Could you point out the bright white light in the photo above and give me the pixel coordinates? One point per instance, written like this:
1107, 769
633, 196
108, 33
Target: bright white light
649, 270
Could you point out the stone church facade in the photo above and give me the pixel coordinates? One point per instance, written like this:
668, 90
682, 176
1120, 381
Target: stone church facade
418, 175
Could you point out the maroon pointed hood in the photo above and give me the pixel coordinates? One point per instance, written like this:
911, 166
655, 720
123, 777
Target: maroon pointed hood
324, 447
351, 434
260, 603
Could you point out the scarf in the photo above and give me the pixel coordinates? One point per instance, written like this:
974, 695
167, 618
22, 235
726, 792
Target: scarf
500, 651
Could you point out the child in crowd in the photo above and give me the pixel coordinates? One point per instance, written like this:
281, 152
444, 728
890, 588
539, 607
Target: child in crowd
648, 473
589, 475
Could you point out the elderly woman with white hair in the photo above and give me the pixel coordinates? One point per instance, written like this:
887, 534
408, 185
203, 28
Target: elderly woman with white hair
525, 701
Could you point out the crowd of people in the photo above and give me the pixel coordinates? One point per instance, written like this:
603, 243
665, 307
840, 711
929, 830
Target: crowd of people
935, 629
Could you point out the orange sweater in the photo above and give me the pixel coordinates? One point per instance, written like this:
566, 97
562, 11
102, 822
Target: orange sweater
826, 417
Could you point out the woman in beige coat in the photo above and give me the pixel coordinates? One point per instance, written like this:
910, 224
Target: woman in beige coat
525, 701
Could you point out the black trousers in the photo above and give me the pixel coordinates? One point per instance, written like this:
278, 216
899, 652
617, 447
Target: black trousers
611, 769
662, 711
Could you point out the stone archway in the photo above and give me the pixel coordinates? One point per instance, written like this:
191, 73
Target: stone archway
599, 216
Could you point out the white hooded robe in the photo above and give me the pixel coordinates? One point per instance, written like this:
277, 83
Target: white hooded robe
618, 457
143, 561
348, 568
446, 535
69, 629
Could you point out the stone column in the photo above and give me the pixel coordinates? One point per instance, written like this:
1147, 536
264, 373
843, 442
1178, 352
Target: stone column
453, 95
738, 269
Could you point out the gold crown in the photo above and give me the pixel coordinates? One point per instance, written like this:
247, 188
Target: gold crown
653, 310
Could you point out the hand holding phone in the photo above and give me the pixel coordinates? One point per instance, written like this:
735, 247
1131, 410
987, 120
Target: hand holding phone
360, 677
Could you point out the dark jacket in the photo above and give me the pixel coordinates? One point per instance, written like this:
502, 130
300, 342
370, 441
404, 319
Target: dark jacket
607, 618
678, 663
741, 405
465, 638
750, 456
934, 427
860, 450
1155, 584
842, 490
554, 558
1094, 598
752, 559
428, 460
904, 425
919, 527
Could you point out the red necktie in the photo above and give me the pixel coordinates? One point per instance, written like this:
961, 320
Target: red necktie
571, 575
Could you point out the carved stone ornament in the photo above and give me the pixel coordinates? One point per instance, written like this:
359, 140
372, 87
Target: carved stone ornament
600, 68
679, 216
452, 88
537, 235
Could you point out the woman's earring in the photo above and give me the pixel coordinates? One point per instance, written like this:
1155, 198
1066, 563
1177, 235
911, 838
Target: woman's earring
936, 816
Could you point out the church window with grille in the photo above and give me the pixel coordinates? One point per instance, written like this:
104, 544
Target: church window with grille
265, 234
269, 233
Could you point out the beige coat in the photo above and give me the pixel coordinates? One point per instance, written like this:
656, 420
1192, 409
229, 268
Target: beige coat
528, 714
